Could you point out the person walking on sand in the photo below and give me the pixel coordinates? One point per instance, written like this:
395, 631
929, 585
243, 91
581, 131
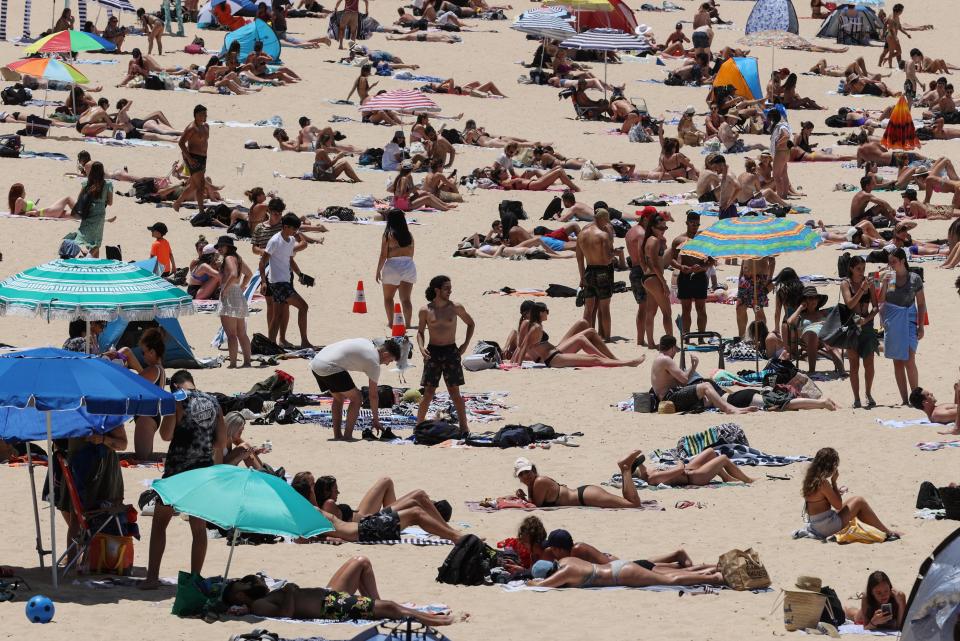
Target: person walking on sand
595, 263
233, 310
278, 254
396, 270
692, 281
193, 145
441, 356
350, 18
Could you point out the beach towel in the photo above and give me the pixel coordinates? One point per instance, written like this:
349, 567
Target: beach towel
853, 628
898, 424
930, 514
900, 331
616, 481
271, 122
92, 61
412, 535
7, 214
933, 446
48, 155
513, 503
406, 75
126, 142
742, 455
521, 586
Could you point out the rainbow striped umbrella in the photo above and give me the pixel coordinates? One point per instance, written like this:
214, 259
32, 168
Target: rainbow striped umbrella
400, 100
751, 237
70, 41
49, 68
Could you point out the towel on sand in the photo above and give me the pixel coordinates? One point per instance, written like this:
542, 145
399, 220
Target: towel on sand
513, 503
520, 586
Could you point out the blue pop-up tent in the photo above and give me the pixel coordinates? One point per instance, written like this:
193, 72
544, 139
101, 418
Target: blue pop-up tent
742, 74
248, 35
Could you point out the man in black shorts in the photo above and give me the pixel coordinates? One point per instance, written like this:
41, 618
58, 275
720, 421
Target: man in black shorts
692, 279
332, 366
442, 355
198, 436
595, 262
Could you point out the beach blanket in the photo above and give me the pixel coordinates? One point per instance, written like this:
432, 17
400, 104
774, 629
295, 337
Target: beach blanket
513, 503
482, 407
900, 331
741, 455
39, 102
406, 75
126, 142
616, 481
412, 535
120, 581
48, 155
853, 628
900, 424
7, 214
521, 586
93, 61
271, 122
929, 514
933, 446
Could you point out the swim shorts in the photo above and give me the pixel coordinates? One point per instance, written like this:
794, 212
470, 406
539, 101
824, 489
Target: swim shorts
683, 397
692, 286
745, 291
382, 526
636, 284
552, 243
340, 606
280, 292
444, 361
339, 382
196, 163
598, 282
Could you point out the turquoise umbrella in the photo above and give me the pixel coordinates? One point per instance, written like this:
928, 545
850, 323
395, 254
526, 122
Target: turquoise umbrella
243, 499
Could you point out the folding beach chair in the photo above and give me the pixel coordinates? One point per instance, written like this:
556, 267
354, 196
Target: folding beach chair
686, 346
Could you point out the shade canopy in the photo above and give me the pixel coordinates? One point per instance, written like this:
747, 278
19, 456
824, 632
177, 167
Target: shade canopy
48, 68
91, 290
244, 499
751, 237
400, 100
743, 75
248, 35
70, 41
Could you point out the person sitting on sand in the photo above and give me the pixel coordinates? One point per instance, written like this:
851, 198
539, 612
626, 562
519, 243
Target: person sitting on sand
327, 169
881, 607
543, 491
572, 572
387, 525
808, 320
865, 206
827, 513
684, 388
21, 206
792, 100
942, 413
338, 601
749, 189
701, 470
237, 450
803, 149
406, 197
925, 64
380, 496
583, 349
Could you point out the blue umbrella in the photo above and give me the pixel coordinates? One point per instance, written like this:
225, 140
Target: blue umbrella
53, 393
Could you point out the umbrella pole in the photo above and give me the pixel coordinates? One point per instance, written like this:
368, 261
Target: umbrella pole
233, 546
756, 348
88, 336
36, 510
51, 464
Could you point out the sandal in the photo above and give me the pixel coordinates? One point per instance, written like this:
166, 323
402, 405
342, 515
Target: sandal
682, 505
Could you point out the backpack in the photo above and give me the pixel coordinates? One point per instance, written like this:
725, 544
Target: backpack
144, 187
15, 95
372, 156
929, 497
433, 432
36, 126
453, 136
113, 252
513, 436
843, 265
10, 146
385, 397
154, 83
514, 207
345, 214
620, 227
836, 120
833, 612
542, 432
553, 208
468, 563
240, 229
263, 346
673, 80
560, 291
202, 218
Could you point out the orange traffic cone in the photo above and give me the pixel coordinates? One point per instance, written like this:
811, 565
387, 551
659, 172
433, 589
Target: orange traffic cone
359, 302
399, 326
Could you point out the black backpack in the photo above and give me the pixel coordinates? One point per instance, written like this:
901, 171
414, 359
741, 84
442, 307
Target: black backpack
263, 346
542, 432
514, 207
372, 156
929, 497
385, 397
553, 208
345, 214
10, 146
513, 436
620, 227
843, 265
154, 83
433, 432
36, 126
560, 291
453, 136
468, 563
833, 612
15, 95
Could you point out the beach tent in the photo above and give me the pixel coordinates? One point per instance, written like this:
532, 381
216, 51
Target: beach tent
250, 34
934, 604
207, 18
615, 15
773, 15
743, 75
871, 27
239, 7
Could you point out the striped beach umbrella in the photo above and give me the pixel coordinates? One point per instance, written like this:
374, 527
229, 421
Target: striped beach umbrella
70, 41
119, 5
544, 25
406, 101
751, 237
91, 290
49, 68
606, 40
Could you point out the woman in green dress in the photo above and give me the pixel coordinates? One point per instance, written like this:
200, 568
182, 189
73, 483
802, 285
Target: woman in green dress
99, 192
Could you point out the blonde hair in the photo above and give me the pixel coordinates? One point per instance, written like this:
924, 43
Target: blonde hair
235, 423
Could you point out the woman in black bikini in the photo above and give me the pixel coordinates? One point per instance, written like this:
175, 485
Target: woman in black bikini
545, 492
653, 262
534, 344
673, 163
803, 149
379, 497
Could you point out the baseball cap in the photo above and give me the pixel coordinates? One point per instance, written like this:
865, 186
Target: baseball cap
559, 539
522, 465
209, 249
160, 227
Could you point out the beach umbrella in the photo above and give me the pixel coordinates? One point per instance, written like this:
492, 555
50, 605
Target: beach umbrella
900, 132
119, 5
406, 101
49, 69
743, 75
91, 289
69, 41
547, 25
606, 40
751, 237
52, 393
243, 499
933, 609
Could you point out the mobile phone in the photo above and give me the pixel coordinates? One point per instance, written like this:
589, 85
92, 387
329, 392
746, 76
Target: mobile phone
887, 608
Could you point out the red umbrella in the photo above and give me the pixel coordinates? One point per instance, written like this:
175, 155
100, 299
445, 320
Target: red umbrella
400, 100
900, 132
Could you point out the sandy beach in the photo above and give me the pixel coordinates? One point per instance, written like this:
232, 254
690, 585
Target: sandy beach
878, 462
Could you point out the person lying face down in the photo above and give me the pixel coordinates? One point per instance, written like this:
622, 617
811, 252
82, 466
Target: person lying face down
572, 572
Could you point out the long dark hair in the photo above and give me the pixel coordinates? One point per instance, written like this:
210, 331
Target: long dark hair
790, 82
95, 180
876, 578
397, 227
822, 467
538, 310
17, 190
435, 283
404, 172
789, 287
231, 251
323, 489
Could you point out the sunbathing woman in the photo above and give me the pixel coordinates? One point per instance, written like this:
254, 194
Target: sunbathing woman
475, 89
792, 100
225, 81
142, 66
232, 62
478, 136
827, 513
534, 345
937, 131
856, 84
533, 183
328, 169
545, 492
428, 36
547, 158
881, 607
380, 496
258, 61
407, 197
572, 572
701, 470
803, 149
674, 164
857, 67
20, 206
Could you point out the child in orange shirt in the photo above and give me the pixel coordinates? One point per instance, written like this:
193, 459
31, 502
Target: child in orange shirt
160, 249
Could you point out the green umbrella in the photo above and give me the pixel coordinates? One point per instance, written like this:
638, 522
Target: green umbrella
91, 290
243, 499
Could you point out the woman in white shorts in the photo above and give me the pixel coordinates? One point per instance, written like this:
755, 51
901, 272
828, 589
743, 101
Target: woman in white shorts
396, 270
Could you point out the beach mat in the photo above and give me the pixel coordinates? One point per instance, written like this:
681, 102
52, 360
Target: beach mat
476, 506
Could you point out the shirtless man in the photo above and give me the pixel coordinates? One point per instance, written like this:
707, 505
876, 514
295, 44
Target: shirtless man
692, 282
726, 189
442, 355
875, 152
440, 148
944, 413
336, 601
865, 206
670, 383
193, 147
634, 241
595, 263
748, 186
95, 120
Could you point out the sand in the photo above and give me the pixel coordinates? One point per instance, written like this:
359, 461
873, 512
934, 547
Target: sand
882, 464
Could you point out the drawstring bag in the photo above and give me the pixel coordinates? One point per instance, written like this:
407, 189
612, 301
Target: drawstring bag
743, 570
